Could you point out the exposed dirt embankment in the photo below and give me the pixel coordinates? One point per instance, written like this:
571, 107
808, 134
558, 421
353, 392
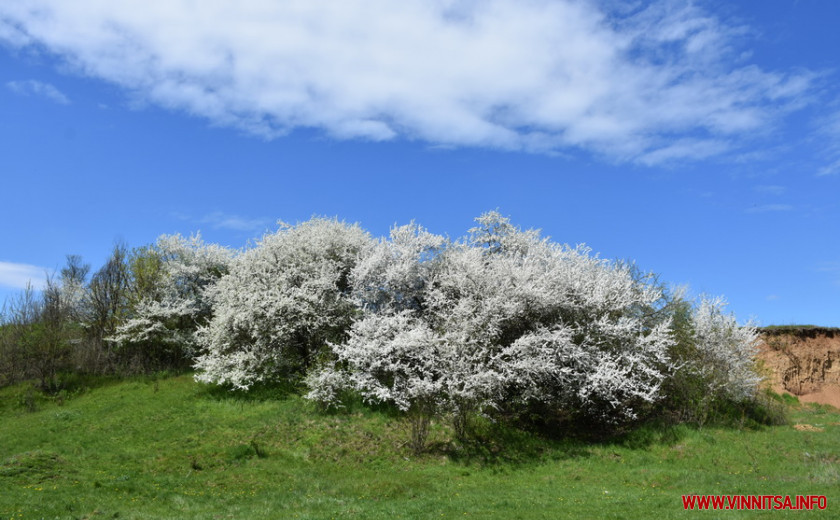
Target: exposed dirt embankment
803, 361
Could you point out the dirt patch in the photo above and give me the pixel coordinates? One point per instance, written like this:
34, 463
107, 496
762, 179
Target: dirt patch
807, 428
803, 362
828, 395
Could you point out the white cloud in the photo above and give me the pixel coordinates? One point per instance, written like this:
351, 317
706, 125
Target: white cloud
832, 168
219, 220
654, 84
833, 270
829, 267
222, 220
770, 189
33, 87
769, 208
829, 129
17, 276
684, 149
13, 35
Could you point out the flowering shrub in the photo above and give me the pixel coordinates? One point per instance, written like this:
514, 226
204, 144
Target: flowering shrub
281, 303
725, 351
502, 316
499, 320
502, 323
169, 286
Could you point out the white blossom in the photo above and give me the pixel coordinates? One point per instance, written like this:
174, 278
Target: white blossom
501, 318
168, 313
725, 351
281, 303
501, 315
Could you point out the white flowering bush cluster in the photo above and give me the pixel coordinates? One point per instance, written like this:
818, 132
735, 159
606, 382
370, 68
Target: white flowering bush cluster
725, 351
282, 304
715, 368
502, 323
501, 319
168, 297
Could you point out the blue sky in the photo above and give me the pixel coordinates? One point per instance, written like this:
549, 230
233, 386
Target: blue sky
700, 139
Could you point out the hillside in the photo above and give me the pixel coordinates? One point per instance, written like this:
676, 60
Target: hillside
803, 361
174, 448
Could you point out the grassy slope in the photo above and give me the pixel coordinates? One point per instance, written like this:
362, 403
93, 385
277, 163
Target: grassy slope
798, 329
177, 449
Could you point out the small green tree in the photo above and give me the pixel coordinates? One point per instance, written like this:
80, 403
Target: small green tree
168, 282
18, 333
35, 337
714, 360
108, 296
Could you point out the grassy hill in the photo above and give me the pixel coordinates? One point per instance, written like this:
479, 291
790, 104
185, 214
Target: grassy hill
173, 448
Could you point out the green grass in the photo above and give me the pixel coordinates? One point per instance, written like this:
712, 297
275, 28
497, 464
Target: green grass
172, 448
798, 329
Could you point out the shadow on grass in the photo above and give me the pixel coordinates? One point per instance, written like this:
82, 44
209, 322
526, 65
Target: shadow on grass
510, 449
31, 396
520, 444
501, 443
255, 394
508, 441
33, 466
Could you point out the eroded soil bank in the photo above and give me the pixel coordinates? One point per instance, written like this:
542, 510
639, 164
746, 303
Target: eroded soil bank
803, 361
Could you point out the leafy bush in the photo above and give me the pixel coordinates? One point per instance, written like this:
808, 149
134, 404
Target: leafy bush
35, 338
168, 285
715, 357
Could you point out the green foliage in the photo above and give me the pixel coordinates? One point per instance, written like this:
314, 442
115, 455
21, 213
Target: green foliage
35, 338
146, 273
788, 399
108, 300
28, 399
167, 301
241, 452
799, 329
715, 380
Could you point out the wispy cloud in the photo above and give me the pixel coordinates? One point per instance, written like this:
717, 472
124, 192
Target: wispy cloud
832, 168
219, 220
833, 270
829, 130
13, 35
770, 189
769, 208
33, 87
829, 267
17, 276
655, 82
